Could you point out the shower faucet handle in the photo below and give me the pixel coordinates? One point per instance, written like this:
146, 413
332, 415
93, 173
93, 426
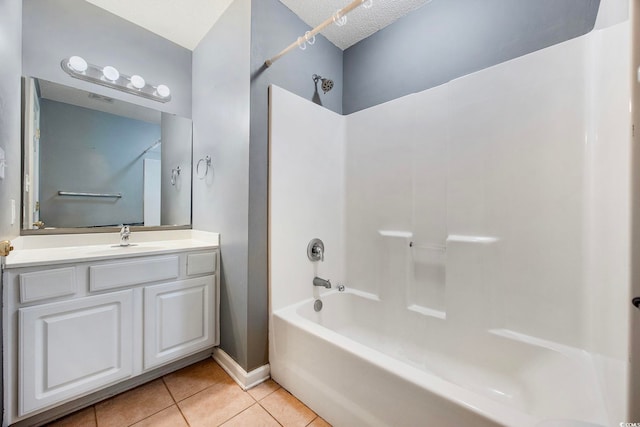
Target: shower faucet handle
315, 250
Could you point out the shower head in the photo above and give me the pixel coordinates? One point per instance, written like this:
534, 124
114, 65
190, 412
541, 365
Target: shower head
327, 84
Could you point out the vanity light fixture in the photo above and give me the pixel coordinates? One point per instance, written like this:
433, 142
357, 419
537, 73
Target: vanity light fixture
163, 91
137, 82
78, 64
109, 76
110, 73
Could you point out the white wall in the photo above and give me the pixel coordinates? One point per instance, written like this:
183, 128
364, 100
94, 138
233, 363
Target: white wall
528, 153
306, 188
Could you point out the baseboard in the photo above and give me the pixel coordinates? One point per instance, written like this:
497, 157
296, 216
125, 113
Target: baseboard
245, 379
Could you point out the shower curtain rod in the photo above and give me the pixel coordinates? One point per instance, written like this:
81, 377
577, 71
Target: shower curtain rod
336, 16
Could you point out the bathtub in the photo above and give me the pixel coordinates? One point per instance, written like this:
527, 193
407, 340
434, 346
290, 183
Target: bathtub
358, 362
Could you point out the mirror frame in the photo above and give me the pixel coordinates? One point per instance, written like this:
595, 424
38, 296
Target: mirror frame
80, 230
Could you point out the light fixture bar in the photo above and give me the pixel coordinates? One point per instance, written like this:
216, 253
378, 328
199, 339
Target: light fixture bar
108, 76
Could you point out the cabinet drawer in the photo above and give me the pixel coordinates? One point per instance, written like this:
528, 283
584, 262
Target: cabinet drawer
204, 263
128, 273
41, 285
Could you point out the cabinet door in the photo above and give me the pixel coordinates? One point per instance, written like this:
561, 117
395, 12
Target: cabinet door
71, 348
179, 319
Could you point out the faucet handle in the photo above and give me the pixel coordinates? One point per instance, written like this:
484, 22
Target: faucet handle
318, 252
315, 250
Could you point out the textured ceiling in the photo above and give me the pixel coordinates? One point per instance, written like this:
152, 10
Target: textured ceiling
361, 23
183, 22
186, 22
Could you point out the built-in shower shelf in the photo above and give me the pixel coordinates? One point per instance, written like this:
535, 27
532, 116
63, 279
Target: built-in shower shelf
456, 238
426, 311
396, 233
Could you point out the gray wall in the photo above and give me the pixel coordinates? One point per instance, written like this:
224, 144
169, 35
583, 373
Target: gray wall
90, 151
10, 71
10, 101
446, 39
231, 125
273, 27
55, 29
221, 130
177, 134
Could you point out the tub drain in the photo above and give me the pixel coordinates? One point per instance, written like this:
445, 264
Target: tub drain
317, 306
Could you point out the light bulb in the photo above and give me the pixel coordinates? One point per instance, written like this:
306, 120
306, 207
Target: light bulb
163, 91
110, 73
137, 82
78, 64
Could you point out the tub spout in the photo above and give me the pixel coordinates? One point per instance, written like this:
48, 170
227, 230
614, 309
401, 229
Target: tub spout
321, 282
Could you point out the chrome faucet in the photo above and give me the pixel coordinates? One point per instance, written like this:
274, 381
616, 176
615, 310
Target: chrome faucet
321, 282
125, 233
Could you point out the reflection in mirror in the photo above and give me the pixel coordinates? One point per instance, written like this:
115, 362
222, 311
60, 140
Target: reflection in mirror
94, 161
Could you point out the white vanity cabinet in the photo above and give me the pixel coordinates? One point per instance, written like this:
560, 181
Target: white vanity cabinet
74, 329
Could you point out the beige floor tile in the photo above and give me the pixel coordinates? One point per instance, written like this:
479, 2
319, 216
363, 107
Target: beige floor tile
264, 389
255, 416
134, 405
215, 405
195, 378
287, 410
319, 422
170, 417
83, 418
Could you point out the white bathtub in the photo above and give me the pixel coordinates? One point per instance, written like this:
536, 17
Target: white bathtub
359, 363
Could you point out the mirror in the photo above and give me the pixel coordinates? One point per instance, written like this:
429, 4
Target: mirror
91, 161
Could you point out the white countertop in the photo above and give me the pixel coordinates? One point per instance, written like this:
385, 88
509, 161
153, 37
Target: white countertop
58, 249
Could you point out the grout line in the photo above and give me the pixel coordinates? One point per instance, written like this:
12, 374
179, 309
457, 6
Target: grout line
150, 415
270, 414
169, 390
95, 414
268, 394
157, 412
183, 415
237, 415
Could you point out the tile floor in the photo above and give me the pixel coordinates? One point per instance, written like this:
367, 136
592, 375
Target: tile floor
198, 395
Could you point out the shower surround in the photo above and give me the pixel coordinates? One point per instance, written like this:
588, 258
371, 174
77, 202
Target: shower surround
482, 229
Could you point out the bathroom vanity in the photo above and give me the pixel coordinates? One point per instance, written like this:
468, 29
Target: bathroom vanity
79, 318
